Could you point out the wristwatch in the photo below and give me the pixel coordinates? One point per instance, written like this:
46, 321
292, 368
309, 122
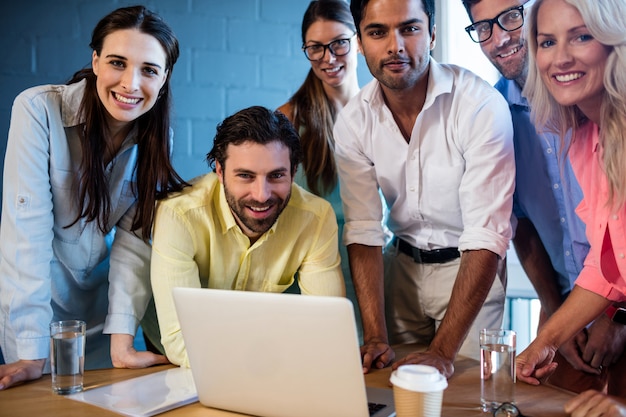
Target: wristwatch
617, 314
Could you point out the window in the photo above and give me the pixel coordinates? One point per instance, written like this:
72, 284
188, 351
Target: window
455, 46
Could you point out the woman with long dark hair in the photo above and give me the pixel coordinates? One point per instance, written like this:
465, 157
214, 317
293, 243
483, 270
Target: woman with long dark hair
85, 164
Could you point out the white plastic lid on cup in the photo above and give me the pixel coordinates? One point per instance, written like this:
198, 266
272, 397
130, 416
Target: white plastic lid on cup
421, 378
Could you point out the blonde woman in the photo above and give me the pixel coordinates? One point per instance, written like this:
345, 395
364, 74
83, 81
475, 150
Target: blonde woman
577, 81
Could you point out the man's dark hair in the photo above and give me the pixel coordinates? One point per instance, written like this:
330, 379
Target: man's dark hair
259, 125
358, 6
468, 4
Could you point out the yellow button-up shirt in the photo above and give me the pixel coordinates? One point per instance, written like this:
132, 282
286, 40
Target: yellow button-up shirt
197, 243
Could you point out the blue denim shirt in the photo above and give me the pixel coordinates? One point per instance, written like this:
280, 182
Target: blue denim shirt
544, 193
49, 271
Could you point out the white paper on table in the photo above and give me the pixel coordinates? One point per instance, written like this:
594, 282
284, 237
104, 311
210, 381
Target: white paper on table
144, 396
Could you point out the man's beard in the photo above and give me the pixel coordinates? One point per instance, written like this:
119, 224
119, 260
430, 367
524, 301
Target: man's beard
260, 226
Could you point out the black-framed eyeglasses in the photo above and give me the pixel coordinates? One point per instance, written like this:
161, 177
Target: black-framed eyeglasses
509, 20
338, 47
508, 410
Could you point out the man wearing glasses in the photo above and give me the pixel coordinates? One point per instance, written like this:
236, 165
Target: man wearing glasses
436, 141
550, 238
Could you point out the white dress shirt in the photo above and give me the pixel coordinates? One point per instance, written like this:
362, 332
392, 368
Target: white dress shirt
450, 186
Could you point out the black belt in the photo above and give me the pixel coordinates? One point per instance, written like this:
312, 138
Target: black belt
436, 256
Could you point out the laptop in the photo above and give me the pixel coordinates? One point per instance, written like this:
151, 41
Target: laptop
276, 355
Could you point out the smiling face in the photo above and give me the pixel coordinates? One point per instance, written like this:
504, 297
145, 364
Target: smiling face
570, 61
506, 50
332, 70
130, 71
257, 184
396, 43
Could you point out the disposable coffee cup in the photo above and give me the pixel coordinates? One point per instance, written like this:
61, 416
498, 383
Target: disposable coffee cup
67, 355
418, 391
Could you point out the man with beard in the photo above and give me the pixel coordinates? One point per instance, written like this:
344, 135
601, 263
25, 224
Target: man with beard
436, 141
246, 226
550, 238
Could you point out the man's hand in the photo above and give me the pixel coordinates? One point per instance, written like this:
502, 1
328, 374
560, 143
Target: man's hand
21, 371
124, 355
593, 403
606, 342
572, 351
445, 366
376, 353
535, 363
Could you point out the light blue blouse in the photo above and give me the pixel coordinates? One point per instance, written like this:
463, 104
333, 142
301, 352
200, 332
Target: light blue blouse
49, 271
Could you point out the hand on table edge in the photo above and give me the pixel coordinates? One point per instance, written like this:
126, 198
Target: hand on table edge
124, 354
431, 358
376, 353
21, 371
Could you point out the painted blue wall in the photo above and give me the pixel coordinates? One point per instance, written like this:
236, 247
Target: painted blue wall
234, 54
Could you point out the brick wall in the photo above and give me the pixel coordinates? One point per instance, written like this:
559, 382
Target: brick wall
234, 54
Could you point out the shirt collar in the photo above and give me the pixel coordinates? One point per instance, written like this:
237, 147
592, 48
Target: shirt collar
512, 92
70, 103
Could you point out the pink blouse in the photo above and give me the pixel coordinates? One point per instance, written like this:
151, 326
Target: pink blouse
604, 270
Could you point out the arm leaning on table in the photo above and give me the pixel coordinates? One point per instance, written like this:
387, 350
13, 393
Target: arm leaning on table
364, 237
474, 279
26, 240
366, 266
172, 265
537, 265
535, 362
129, 294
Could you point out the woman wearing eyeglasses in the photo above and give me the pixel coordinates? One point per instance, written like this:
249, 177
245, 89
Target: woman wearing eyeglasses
329, 43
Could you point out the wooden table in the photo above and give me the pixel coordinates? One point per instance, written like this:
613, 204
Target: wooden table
461, 398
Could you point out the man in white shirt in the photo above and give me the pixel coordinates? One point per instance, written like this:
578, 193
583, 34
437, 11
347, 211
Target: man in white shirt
436, 140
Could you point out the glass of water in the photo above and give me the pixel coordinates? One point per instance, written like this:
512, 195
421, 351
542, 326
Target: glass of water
497, 368
67, 355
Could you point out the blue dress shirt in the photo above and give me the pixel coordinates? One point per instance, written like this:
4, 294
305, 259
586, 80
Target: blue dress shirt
546, 190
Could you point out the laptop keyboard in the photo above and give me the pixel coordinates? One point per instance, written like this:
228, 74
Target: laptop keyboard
375, 408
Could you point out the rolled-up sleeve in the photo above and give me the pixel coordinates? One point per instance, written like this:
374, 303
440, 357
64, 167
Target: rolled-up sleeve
360, 195
486, 190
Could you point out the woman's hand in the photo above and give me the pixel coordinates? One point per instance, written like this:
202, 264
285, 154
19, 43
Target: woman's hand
535, 363
21, 371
